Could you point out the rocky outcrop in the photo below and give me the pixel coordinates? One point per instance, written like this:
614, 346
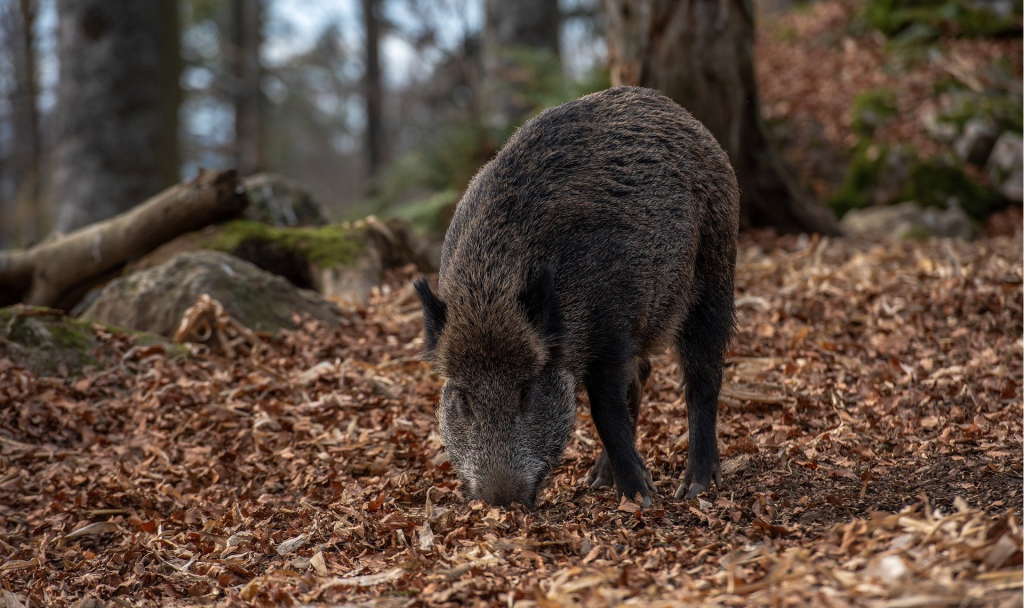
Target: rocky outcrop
1005, 166
279, 201
48, 343
976, 141
909, 220
343, 261
154, 299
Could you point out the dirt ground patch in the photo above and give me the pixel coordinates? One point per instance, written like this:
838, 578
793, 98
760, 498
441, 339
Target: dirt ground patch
871, 428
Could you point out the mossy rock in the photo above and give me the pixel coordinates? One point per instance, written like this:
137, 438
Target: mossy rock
874, 178
276, 200
155, 299
296, 254
343, 260
939, 182
864, 171
922, 19
909, 220
871, 110
1004, 111
48, 343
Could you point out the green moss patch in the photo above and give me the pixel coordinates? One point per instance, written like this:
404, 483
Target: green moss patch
49, 343
863, 173
333, 245
920, 19
871, 109
1003, 111
932, 182
936, 183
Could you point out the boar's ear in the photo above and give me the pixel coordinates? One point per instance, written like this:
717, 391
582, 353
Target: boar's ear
435, 313
540, 302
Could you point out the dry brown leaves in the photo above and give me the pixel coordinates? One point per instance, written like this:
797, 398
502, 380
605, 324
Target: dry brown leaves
871, 431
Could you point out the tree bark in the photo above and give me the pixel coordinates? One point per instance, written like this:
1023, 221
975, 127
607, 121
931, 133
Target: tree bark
171, 62
700, 53
373, 90
25, 163
247, 70
43, 274
115, 95
510, 28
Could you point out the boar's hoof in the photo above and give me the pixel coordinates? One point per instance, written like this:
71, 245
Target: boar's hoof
600, 475
637, 482
698, 478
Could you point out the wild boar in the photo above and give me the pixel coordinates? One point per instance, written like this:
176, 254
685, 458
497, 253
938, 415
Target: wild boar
604, 230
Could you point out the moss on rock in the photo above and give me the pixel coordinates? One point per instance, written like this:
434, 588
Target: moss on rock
948, 17
937, 183
871, 109
1004, 112
934, 182
155, 299
48, 343
332, 245
863, 173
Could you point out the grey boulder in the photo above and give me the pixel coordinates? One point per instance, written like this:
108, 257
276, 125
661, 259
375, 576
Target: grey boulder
1006, 166
976, 141
909, 220
155, 299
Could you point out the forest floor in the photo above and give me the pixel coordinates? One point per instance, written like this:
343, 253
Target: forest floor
813, 61
871, 428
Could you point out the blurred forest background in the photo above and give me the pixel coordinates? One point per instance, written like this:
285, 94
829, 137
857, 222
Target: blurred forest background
372, 102
390, 106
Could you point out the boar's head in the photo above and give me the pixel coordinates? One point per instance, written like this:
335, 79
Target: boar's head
507, 408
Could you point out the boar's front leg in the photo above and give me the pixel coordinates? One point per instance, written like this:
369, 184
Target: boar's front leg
607, 384
600, 474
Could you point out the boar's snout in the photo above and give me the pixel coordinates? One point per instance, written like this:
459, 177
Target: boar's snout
499, 491
504, 497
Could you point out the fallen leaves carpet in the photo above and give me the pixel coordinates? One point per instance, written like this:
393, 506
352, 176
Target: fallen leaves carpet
871, 428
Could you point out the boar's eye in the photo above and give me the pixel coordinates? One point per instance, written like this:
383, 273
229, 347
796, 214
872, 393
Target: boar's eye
524, 396
462, 399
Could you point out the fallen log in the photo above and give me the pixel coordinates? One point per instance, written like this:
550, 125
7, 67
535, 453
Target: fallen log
45, 273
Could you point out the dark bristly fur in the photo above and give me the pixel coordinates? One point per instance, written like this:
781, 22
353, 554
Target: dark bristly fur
604, 230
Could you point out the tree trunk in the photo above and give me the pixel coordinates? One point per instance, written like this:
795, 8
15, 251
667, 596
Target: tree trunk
25, 162
115, 96
512, 31
373, 90
247, 70
700, 53
169, 156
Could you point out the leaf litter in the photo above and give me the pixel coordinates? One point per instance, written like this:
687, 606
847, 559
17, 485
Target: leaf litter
871, 428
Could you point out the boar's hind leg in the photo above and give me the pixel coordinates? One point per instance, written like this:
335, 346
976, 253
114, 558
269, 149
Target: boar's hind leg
600, 474
702, 342
608, 385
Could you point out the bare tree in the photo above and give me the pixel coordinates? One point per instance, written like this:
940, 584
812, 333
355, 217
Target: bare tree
373, 90
244, 56
700, 53
511, 31
118, 98
19, 17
